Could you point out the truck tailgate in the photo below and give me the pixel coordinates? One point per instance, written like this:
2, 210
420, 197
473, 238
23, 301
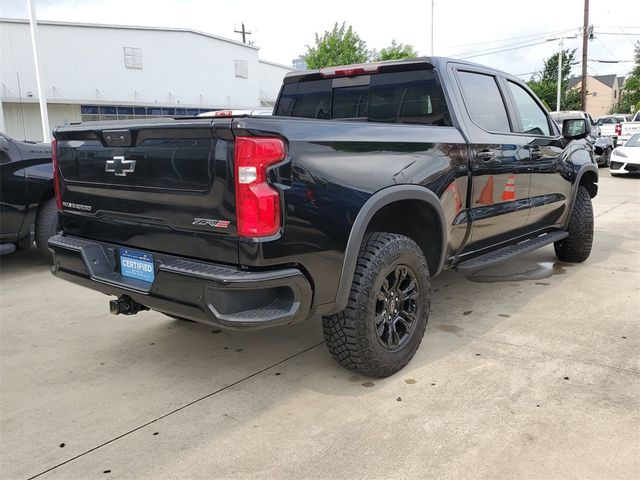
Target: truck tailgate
160, 185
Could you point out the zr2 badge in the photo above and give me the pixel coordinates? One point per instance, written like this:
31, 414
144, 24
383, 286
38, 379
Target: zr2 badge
211, 222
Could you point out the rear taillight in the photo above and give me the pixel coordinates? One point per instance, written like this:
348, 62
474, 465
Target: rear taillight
56, 174
223, 113
257, 202
618, 129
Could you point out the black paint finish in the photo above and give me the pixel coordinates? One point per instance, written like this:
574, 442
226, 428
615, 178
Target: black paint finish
26, 180
468, 191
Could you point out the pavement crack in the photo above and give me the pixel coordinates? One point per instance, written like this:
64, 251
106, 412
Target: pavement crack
612, 208
176, 410
548, 353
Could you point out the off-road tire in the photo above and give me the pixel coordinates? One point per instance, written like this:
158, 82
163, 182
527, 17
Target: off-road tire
351, 334
46, 224
577, 246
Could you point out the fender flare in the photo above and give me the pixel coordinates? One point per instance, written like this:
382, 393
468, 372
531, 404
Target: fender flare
377, 201
587, 167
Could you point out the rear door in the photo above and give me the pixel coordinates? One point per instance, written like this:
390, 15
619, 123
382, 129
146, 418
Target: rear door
499, 161
161, 186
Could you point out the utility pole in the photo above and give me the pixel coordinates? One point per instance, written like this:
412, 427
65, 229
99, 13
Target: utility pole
46, 132
585, 43
559, 82
244, 33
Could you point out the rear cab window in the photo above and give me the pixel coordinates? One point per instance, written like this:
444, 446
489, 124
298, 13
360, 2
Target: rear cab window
413, 97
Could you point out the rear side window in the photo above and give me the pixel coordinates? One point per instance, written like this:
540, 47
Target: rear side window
484, 101
408, 97
398, 97
534, 120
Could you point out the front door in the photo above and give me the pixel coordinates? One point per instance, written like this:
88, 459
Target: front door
550, 191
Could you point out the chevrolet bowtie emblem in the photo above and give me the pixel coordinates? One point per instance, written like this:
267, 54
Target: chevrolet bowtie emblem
119, 166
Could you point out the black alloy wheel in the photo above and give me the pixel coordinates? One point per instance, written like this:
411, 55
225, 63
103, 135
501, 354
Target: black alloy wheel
396, 307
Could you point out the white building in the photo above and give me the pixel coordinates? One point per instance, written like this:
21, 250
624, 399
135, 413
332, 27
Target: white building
93, 72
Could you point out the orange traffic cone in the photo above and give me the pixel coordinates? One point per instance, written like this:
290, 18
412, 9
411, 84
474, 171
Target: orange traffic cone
486, 196
456, 196
509, 192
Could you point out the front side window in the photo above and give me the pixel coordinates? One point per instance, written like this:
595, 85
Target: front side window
534, 120
484, 102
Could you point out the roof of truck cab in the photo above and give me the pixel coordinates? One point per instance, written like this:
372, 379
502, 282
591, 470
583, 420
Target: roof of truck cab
435, 62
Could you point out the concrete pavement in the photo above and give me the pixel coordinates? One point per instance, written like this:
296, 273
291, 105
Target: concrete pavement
528, 370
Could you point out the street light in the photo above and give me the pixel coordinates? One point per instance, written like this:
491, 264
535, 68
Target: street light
559, 81
432, 27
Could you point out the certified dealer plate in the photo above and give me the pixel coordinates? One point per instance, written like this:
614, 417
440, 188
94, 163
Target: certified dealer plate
136, 264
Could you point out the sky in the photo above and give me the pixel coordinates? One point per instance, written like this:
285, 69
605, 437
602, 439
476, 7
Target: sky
462, 28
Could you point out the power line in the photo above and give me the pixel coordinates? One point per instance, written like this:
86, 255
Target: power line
606, 48
618, 33
493, 49
500, 51
498, 47
536, 35
626, 38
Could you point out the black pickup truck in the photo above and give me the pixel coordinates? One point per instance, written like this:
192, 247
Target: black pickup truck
27, 205
368, 180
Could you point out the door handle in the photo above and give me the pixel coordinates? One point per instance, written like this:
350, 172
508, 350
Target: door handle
486, 155
536, 153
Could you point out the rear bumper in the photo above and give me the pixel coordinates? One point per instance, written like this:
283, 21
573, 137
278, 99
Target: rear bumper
209, 293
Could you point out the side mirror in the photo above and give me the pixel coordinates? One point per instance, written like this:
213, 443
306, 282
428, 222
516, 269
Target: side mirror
575, 128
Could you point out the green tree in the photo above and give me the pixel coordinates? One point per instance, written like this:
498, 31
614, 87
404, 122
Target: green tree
396, 51
340, 46
572, 99
630, 96
545, 86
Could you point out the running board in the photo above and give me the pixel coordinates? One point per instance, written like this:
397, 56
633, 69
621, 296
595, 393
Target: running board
509, 252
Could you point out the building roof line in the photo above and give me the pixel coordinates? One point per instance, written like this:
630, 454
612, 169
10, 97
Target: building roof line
275, 64
130, 27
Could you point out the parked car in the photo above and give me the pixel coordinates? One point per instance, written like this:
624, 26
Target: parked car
368, 181
27, 201
626, 159
603, 146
